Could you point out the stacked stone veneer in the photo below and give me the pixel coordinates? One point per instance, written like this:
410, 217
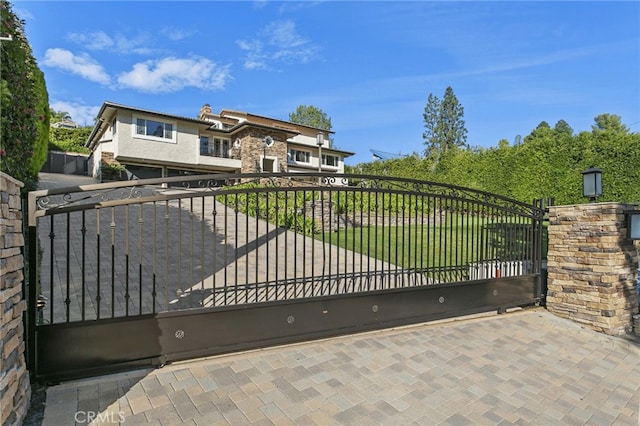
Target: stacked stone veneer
15, 391
252, 150
592, 266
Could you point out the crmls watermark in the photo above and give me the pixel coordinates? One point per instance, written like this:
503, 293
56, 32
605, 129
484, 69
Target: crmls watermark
91, 416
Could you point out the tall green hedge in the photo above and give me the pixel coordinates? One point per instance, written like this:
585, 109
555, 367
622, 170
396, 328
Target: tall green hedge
548, 163
24, 104
69, 140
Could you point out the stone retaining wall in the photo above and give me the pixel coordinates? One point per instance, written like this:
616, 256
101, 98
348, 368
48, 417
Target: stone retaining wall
592, 266
15, 390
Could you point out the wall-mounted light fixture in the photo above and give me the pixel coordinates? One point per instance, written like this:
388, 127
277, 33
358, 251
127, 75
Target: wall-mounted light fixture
592, 183
633, 224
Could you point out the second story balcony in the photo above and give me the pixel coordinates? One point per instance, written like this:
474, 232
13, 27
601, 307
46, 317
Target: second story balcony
220, 148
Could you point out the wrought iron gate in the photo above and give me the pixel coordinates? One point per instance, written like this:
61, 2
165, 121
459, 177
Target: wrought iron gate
141, 273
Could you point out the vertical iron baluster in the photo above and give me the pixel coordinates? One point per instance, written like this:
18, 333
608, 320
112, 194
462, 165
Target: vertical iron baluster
266, 246
237, 242
424, 239
285, 226
416, 245
52, 236
202, 249
179, 244
313, 245
166, 255
361, 196
191, 218
368, 239
255, 252
389, 242
338, 250
480, 236
113, 260
465, 230
382, 247
214, 260
434, 229
83, 231
226, 248
399, 230
445, 240
154, 237
126, 260
67, 300
304, 245
326, 262
98, 267
454, 247
375, 236
296, 218
276, 258
140, 234
353, 244
247, 249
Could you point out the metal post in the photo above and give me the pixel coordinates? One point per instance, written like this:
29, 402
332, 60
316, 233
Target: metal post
320, 142
30, 288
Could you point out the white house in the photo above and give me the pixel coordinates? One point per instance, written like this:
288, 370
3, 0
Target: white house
154, 144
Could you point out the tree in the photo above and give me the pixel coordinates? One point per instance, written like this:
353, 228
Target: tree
24, 112
309, 115
563, 128
609, 123
431, 116
444, 123
58, 116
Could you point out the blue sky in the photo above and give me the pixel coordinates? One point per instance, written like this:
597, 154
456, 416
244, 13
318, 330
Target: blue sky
370, 65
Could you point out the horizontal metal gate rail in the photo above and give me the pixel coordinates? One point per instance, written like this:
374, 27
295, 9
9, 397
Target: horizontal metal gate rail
145, 272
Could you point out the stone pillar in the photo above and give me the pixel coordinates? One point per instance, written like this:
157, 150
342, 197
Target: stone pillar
15, 390
592, 266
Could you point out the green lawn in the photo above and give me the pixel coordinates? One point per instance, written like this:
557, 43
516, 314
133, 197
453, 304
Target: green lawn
458, 242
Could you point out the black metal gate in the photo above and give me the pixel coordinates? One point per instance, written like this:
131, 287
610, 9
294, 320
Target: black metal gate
141, 273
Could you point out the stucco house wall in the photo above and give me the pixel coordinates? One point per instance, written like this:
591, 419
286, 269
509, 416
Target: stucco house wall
115, 140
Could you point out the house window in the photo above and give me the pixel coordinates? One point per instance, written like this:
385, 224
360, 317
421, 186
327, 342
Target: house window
156, 130
221, 148
114, 127
330, 160
296, 156
204, 145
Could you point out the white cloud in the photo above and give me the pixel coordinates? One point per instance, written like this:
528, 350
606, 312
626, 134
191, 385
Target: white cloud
173, 74
277, 42
176, 34
255, 59
126, 45
82, 65
81, 114
119, 43
283, 35
98, 40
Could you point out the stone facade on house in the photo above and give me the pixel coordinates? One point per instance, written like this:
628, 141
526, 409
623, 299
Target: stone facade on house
592, 266
15, 390
252, 150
